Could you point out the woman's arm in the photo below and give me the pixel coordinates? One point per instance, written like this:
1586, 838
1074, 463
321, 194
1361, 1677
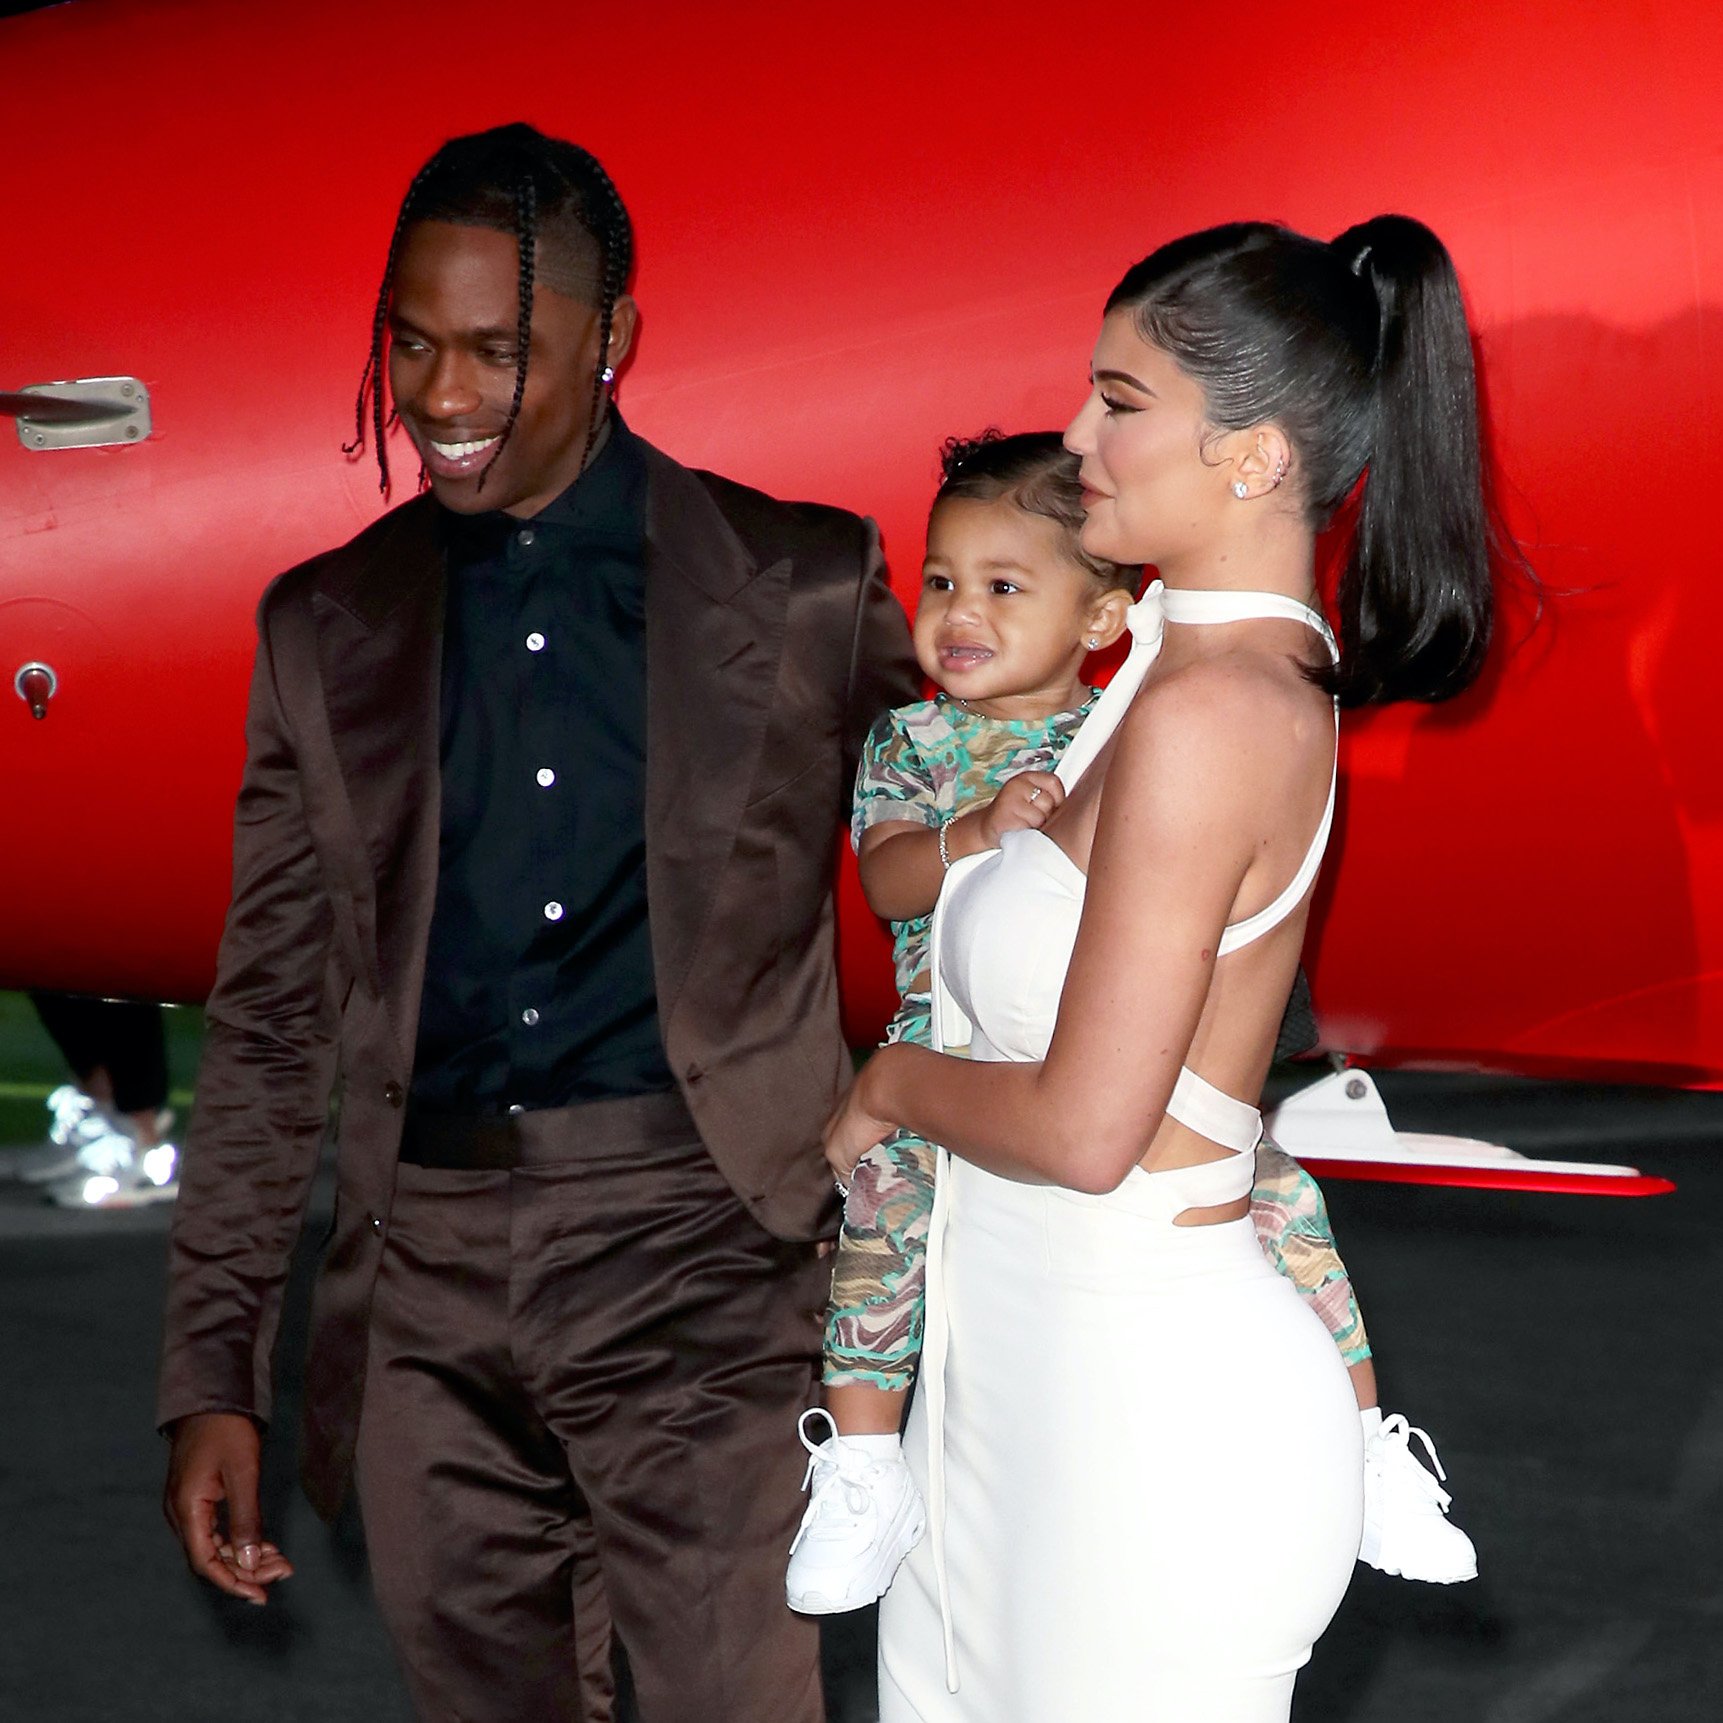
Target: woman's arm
1200, 781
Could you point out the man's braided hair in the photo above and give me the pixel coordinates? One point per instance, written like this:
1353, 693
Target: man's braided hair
568, 220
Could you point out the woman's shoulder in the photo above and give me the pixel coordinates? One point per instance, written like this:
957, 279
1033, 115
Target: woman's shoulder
1236, 724
1242, 688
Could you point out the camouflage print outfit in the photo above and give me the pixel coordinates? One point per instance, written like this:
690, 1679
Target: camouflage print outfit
924, 764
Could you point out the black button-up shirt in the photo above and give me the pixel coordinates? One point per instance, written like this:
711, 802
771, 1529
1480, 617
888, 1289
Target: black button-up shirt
538, 979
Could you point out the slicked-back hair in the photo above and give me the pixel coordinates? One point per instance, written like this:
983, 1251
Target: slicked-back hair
1036, 472
1360, 352
570, 225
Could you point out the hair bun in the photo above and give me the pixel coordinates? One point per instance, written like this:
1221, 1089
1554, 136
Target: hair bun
954, 451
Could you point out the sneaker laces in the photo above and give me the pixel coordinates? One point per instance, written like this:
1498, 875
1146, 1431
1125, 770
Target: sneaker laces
1398, 1432
831, 1467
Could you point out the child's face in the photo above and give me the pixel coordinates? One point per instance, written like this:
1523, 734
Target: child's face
1004, 611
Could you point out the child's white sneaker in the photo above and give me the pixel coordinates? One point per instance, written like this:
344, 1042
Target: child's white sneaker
1406, 1526
863, 1517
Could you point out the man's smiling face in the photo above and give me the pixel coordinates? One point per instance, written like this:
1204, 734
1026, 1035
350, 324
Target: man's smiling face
453, 323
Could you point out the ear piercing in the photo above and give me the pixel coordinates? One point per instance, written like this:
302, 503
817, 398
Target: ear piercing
1094, 642
1241, 489
607, 375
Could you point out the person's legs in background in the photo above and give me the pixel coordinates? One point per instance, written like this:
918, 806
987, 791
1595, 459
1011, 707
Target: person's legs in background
106, 1145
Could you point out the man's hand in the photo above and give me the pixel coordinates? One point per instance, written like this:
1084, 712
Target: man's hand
1023, 804
214, 1460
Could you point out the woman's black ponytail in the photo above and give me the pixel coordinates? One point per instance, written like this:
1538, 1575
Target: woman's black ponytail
1360, 352
1415, 594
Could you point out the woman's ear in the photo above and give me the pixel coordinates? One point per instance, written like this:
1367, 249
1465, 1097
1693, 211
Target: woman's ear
1106, 620
1258, 460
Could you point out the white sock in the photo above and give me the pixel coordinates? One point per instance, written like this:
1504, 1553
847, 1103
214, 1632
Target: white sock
875, 1447
1371, 1418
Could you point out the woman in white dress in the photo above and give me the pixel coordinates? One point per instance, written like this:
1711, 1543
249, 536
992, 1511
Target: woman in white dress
1137, 1444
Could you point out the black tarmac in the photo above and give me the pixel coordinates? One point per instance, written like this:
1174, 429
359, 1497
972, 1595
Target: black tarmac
1564, 1352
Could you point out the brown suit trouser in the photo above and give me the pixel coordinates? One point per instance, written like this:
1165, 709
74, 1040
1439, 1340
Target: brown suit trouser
599, 1349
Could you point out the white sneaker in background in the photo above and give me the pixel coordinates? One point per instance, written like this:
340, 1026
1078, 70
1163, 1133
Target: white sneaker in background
863, 1517
73, 1120
113, 1169
1406, 1526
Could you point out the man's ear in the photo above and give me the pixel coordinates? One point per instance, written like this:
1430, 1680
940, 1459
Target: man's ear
1106, 620
624, 320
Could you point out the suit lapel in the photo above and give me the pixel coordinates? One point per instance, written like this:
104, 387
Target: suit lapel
379, 647
714, 630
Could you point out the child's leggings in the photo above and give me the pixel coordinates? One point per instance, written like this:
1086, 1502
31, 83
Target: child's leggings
874, 1324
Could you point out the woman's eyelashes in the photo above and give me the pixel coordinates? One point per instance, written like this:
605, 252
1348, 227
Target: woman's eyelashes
1115, 407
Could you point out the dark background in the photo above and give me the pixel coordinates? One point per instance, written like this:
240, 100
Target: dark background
1562, 1351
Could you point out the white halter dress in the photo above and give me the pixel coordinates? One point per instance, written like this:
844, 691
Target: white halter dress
1139, 1449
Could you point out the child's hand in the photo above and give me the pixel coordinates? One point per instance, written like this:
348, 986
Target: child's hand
1023, 804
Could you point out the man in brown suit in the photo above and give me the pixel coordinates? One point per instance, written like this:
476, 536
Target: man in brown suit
533, 858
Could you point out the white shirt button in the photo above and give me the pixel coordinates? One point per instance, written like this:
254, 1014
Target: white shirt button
516, 1107
529, 1016
527, 535
553, 911
535, 642
546, 777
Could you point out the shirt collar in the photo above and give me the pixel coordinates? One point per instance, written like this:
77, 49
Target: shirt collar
604, 508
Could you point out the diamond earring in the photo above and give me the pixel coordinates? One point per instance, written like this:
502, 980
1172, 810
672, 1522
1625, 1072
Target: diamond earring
1240, 489
1279, 471
607, 375
1094, 642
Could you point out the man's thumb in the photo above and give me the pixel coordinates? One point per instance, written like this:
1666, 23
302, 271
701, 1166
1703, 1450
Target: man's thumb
243, 1530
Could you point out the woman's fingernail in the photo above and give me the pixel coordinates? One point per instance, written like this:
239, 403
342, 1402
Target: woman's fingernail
248, 1556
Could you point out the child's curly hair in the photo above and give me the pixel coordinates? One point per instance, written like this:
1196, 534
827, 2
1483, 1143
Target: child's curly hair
1034, 470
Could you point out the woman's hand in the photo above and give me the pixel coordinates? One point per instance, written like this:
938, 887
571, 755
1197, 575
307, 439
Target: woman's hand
854, 1127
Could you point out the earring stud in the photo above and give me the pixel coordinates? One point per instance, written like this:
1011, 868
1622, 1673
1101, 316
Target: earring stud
1094, 642
607, 375
1240, 489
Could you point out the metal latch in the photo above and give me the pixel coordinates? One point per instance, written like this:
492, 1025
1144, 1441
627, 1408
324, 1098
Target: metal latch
87, 413
36, 685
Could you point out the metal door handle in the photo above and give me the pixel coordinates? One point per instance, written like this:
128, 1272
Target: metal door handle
88, 413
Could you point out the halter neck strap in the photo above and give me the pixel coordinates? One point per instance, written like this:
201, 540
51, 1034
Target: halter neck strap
1147, 620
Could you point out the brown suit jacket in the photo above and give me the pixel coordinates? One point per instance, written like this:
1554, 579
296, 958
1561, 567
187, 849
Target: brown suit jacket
772, 643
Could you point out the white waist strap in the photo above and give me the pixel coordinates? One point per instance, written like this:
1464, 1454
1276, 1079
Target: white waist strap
1212, 1113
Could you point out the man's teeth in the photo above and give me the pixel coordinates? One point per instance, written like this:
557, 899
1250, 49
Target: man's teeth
460, 451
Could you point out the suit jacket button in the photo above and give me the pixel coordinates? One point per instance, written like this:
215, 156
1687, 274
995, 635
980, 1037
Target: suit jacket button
376, 1223
394, 1094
